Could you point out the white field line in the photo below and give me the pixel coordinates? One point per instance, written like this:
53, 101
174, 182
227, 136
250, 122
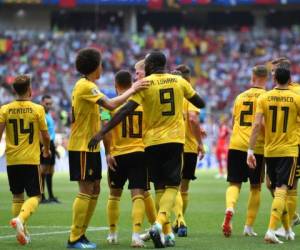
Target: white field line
92, 229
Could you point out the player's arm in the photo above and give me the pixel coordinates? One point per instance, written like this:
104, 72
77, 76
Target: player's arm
196, 130
44, 135
115, 120
257, 126
2, 127
111, 162
115, 102
197, 101
45, 138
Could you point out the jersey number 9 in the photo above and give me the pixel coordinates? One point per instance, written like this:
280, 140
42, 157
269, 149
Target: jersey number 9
167, 97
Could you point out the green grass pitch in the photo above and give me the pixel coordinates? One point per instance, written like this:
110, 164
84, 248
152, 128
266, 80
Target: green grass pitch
50, 225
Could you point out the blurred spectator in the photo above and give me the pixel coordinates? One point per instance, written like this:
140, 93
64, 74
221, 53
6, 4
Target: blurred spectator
221, 61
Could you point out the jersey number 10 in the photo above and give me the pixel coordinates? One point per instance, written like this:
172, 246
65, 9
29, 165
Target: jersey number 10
23, 130
129, 118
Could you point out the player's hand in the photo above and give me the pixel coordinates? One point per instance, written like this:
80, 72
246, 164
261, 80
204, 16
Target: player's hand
111, 162
201, 151
140, 85
57, 154
251, 160
95, 141
203, 133
46, 153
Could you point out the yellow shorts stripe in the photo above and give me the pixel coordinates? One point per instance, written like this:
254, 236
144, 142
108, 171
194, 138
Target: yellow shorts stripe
293, 172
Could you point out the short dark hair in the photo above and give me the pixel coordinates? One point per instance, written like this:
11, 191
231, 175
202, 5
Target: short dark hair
155, 61
88, 60
123, 79
21, 84
282, 62
282, 76
185, 71
46, 97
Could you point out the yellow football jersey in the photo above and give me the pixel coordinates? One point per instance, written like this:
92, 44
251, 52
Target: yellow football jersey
191, 144
162, 104
295, 87
244, 116
280, 108
23, 122
85, 115
127, 137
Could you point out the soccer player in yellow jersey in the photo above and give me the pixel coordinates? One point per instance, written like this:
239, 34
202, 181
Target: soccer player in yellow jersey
85, 166
238, 171
150, 209
164, 132
23, 122
192, 146
279, 108
294, 218
126, 160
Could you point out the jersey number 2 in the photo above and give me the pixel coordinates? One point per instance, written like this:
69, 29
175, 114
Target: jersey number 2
23, 130
246, 112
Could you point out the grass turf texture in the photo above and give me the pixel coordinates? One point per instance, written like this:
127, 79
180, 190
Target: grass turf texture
204, 218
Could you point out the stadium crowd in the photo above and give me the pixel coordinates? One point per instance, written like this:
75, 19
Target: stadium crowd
221, 61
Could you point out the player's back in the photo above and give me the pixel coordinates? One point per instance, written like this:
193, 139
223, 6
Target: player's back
162, 104
244, 116
85, 114
23, 122
280, 108
127, 137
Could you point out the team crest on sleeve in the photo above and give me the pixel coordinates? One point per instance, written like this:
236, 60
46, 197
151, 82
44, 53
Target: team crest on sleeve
95, 91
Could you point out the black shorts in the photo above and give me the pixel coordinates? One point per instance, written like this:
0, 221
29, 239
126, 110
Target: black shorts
25, 178
165, 163
238, 170
281, 171
129, 167
50, 160
297, 175
85, 166
189, 166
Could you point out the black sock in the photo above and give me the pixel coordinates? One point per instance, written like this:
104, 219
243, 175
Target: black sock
43, 185
49, 185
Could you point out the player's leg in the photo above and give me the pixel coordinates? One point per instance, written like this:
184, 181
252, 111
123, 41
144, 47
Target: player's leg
116, 180
44, 171
269, 185
150, 208
237, 173
281, 171
166, 172
28, 178
188, 174
50, 173
138, 183
113, 214
256, 177
91, 208
137, 215
220, 161
85, 168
